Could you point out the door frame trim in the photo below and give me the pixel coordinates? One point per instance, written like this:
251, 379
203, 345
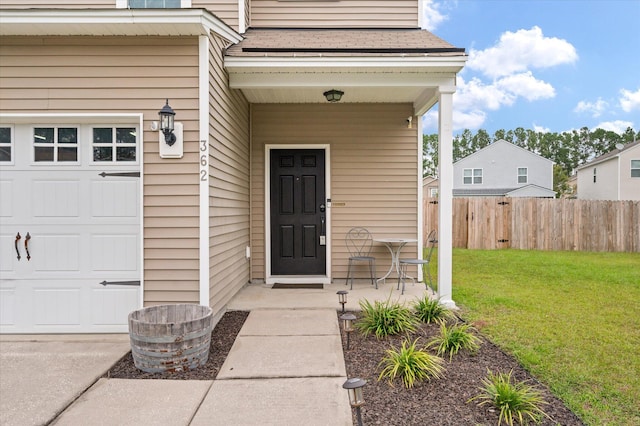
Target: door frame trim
295, 279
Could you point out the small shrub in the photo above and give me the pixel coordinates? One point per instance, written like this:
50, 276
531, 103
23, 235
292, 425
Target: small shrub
517, 401
454, 338
430, 310
411, 364
385, 318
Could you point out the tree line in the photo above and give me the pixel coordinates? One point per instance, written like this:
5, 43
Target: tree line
567, 150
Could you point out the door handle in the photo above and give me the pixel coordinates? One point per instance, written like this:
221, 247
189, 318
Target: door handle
26, 245
16, 245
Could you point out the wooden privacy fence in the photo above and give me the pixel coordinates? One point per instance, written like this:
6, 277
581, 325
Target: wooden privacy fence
541, 223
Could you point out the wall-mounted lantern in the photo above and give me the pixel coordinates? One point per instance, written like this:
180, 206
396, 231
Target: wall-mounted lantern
167, 115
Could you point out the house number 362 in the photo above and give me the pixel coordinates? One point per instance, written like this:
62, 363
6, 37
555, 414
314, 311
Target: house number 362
204, 160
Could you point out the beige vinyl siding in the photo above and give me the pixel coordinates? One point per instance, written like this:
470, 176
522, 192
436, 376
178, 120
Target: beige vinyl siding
229, 184
343, 13
126, 75
373, 158
227, 10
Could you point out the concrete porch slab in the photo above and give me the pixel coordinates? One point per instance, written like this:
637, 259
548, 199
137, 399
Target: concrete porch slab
288, 322
293, 401
137, 402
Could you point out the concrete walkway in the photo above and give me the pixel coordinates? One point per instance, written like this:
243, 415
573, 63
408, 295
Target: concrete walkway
286, 367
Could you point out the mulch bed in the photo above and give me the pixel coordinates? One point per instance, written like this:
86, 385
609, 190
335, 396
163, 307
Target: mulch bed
439, 401
436, 402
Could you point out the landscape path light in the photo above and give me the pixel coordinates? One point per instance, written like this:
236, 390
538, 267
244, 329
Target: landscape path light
342, 298
347, 325
356, 399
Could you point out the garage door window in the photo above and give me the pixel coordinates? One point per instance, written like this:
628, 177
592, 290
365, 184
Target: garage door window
114, 144
6, 144
55, 144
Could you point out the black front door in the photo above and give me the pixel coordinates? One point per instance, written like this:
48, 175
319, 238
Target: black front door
298, 216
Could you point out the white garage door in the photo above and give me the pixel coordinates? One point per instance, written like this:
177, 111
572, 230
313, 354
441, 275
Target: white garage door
70, 225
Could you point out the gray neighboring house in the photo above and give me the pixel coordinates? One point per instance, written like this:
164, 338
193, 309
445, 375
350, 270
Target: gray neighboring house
503, 169
612, 176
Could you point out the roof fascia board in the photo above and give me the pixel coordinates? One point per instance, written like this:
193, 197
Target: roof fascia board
166, 19
313, 78
445, 63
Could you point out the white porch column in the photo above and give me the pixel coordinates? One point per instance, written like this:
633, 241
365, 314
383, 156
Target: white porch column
445, 194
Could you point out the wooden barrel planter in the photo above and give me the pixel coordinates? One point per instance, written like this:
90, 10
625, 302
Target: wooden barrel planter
170, 338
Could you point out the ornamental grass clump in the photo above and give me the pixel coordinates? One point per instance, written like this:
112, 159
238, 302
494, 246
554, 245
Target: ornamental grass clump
385, 318
411, 363
430, 310
454, 338
517, 401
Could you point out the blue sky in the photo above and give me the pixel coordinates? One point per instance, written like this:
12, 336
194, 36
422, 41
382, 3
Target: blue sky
548, 65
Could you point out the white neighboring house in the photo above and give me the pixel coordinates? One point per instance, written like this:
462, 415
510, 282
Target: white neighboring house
612, 176
503, 169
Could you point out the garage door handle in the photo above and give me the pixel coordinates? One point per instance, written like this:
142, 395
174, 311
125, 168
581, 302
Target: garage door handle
16, 245
26, 245
133, 283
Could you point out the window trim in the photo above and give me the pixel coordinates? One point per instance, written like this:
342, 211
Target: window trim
473, 176
114, 145
634, 168
526, 175
124, 4
55, 145
11, 145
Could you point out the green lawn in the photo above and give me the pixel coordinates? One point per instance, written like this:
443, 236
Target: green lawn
571, 318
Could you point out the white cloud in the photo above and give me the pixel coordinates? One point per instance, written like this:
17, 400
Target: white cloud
521, 50
475, 94
594, 108
617, 126
461, 120
468, 120
526, 86
540, 129
474, 97
629, 100
432, 15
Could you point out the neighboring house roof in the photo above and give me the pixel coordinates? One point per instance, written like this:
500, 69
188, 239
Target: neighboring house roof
530, 190
609, 155
495, 145
260, 42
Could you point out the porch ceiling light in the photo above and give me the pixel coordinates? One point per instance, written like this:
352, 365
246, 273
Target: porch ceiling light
333, 95
342, 298
167, 115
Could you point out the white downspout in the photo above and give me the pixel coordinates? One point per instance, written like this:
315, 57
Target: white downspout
445, 200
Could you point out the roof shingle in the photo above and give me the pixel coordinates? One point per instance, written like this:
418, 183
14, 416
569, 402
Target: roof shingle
288, 42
